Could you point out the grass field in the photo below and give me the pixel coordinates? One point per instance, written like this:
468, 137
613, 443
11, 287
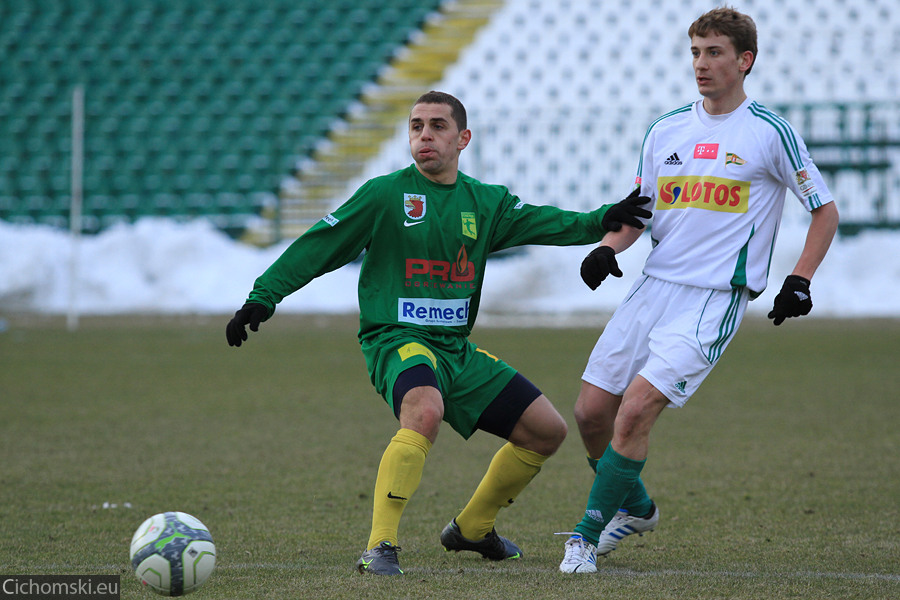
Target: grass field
781, 478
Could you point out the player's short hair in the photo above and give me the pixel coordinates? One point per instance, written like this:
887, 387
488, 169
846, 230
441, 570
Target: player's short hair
736, 26
457, 110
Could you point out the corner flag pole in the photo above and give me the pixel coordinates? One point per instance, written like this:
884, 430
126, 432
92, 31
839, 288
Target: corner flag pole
75, 224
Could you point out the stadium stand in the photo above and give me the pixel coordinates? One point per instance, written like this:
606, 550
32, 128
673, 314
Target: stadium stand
560, 95
192, 108
318, 183
229, 109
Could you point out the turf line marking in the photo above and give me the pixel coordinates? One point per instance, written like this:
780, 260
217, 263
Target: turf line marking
614, 571
755, 574
519, 568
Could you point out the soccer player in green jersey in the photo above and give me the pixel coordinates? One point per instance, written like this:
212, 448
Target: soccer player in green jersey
427, 231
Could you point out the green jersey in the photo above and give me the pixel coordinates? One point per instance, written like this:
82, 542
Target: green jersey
426, 246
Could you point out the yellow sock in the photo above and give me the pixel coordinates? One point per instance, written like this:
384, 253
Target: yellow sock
510, 471
399, 475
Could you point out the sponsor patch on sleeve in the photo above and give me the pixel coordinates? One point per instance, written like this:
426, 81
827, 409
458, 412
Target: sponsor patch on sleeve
805, 182
331, 219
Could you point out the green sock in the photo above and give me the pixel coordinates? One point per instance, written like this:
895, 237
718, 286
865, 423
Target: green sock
637, 502
616, 477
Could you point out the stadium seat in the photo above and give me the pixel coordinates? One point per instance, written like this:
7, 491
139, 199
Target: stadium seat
188, 80
166, 82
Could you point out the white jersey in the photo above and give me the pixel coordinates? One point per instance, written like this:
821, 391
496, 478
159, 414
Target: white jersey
719, 191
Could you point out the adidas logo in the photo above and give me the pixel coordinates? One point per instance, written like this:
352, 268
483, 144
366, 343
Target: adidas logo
673, 160
594, 515
680, 386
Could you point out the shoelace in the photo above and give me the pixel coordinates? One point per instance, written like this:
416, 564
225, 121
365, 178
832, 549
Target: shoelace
495, 542
387, 551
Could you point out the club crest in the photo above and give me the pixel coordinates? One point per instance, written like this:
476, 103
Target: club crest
414, 206
469, 226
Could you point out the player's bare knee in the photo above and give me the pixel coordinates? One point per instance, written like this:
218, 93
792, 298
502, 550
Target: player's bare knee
560, 431
429, 418
422, 412
550, 437
541, 430
588, 416
594, 421
636, 416
627, 426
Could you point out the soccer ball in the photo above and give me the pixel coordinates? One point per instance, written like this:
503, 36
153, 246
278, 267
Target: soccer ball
172, 553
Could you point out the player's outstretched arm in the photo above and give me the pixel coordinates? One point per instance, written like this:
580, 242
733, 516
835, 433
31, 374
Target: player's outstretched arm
601, 262
627, 212
251, 314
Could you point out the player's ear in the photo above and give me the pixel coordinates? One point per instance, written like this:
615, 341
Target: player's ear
465, 136
747, 59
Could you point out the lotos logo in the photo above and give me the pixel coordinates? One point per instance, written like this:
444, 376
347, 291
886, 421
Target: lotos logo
440, 273
710, 193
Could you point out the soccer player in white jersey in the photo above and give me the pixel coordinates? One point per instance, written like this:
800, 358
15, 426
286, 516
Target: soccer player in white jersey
717, 171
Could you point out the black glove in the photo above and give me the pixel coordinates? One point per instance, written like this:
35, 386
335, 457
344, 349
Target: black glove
793, 300
626, 212
252, 313
598, 264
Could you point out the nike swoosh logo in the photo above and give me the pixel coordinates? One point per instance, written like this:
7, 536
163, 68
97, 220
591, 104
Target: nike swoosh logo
393, 497
410, 224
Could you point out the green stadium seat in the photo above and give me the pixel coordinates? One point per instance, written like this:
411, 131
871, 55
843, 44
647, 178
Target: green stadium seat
166, 205
129, 205
182, 100
9, 207
197, 204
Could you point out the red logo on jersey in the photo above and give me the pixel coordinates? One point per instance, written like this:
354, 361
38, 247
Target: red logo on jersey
414, 205
438, 273
706, 151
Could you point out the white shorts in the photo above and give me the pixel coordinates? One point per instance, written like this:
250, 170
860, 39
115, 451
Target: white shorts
669, 334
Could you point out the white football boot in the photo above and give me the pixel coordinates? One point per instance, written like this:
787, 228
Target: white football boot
581, 555
623, 525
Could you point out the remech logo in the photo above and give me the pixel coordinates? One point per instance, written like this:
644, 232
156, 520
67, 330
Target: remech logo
452, 312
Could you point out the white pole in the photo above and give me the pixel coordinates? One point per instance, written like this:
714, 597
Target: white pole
75, 207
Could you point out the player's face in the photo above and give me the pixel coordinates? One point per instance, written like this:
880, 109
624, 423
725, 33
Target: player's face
719, 70
435, 141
